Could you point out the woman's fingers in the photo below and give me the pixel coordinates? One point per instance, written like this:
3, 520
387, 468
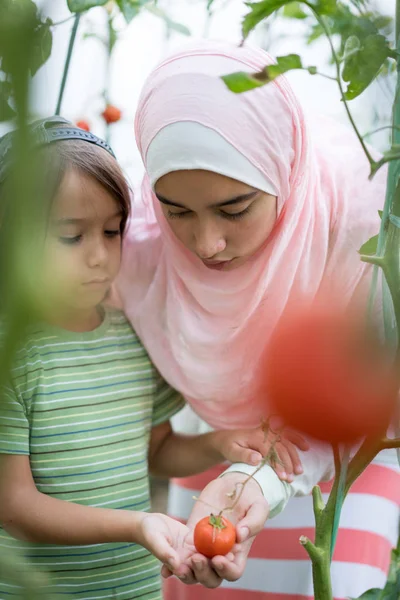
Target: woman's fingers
296, 439
204, 572
294, 457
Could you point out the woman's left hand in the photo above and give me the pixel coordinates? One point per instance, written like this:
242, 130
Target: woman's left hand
249, 516
250, 446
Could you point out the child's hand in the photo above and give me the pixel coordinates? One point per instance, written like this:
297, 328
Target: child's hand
165, 538
252, 445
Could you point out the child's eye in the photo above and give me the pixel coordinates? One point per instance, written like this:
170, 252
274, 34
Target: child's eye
69, 241
112, 233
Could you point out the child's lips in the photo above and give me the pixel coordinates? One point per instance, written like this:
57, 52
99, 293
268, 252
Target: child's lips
97, 281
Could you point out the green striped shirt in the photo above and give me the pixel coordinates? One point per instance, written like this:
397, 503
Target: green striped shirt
82, 406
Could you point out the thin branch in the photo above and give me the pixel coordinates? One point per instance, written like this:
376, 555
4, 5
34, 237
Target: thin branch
77, 18
330, 77
392, 127
63, 21
313, 552
390, 443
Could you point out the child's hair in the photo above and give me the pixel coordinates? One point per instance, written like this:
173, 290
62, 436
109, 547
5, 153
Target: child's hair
58, 146
92, 161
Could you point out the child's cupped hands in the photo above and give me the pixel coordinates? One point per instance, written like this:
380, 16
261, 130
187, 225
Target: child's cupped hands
278, 446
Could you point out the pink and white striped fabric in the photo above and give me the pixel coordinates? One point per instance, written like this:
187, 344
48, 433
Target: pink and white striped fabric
205, 330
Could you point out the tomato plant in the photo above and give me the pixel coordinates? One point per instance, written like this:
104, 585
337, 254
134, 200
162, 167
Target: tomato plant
111, 114
327, 376
82, 124
214, 536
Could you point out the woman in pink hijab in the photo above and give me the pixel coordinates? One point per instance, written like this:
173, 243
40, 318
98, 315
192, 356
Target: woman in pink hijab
246, 203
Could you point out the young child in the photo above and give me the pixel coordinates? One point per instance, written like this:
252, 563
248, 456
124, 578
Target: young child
86, 415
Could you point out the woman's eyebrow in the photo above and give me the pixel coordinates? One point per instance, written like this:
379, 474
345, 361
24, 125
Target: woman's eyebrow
235, 200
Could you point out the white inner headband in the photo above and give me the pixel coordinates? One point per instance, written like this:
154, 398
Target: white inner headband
187, 145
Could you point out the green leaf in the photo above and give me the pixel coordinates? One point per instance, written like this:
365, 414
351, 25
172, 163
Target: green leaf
6, 112
42, 45
352, 46
294, 11
374, 594
369, 249
362, 66
380, 213
243, 82
172, 25
130, 8
77, 6
284, 64
262, 10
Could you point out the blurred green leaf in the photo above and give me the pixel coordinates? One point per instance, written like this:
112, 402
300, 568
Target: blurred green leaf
171, 24
345, 23
243, 82
352, 46
261, 10
294, 10
364, 64
43, 43
284, 64
369, 249
374, 594
82, 5
129, 8
6, 112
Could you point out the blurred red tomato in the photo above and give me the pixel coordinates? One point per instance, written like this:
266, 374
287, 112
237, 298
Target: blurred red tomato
82, 124
328, 377
111, 114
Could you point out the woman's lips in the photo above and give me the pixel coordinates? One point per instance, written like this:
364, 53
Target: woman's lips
217, 265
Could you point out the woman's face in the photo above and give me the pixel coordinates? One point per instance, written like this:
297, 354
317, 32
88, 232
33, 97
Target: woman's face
221, 220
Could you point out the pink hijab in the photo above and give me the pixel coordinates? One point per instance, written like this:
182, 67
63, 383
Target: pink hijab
204, 329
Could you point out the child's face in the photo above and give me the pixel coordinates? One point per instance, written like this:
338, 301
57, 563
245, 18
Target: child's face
83, 245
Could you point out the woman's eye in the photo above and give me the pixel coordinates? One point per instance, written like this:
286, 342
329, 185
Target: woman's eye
234, 216
69, 241
179, 215
111, 233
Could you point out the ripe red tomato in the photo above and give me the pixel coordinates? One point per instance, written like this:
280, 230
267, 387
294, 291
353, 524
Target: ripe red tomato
214, 536
326, 376
82, 124
111, 114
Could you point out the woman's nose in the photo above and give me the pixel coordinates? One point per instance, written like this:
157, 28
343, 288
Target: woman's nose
209, 242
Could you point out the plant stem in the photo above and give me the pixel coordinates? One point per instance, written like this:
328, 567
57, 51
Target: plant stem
320, 551
325, 27
68, 61
63, 21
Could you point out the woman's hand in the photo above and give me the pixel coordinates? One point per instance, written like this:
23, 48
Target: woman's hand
250, 446
249, 515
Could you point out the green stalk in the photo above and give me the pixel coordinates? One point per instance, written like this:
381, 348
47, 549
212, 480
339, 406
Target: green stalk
68, 61
388, 257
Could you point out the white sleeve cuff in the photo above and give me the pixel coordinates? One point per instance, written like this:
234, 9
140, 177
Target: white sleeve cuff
276, 492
